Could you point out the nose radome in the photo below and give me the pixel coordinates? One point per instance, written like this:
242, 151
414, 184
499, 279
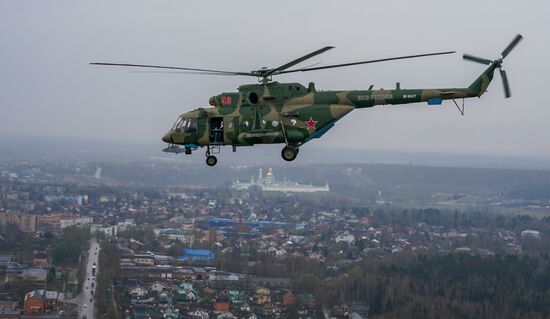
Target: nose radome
167, 138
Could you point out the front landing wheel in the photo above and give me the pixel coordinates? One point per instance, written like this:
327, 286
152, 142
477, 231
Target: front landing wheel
289, 153
211, 160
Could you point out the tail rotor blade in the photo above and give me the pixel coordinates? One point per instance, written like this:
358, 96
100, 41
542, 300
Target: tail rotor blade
505, 83
476, 59
512, 45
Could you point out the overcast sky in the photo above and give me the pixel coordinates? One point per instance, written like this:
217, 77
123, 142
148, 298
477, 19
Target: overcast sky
48, 88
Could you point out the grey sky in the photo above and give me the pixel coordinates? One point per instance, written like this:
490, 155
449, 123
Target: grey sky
48, 88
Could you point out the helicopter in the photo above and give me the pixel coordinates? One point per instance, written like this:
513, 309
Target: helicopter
290, 113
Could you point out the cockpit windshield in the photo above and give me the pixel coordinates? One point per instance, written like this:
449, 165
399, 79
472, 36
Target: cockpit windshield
186, 125
178, 123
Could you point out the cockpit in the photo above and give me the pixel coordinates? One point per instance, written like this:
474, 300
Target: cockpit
185, 125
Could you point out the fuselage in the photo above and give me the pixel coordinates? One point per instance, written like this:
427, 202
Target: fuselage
293, 114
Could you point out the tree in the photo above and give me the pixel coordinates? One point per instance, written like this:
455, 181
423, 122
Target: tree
68, 249
51, 275
306, 282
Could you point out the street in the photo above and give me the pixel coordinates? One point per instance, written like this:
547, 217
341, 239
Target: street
86, 305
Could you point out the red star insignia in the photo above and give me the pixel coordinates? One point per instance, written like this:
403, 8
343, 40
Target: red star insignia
311, 123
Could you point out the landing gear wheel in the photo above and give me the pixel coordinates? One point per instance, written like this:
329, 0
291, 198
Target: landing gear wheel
211, 160
289, 153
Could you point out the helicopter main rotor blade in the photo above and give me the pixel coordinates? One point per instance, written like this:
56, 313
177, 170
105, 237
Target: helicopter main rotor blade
366, 62
299, 60
174, 68
473, 58
184, 72
512, 45
505, 83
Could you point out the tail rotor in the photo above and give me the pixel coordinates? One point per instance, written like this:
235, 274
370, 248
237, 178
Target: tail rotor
498, 63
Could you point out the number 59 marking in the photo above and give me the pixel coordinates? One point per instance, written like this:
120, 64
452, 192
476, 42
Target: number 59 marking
226, 100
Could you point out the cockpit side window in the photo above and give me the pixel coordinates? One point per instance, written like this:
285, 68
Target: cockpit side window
191, 126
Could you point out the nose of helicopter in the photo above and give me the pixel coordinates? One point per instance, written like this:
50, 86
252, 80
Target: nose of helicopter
167, 138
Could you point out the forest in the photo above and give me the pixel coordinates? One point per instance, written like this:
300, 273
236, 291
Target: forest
446, 286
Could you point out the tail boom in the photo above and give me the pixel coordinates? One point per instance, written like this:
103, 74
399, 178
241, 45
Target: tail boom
369, 98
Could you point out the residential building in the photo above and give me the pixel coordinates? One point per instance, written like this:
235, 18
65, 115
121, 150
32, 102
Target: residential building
185, 237
81, 221
25, 222
109, 231
528, 233
144, 259
40, 258
39, 300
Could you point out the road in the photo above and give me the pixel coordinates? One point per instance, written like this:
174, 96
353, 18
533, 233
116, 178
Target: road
86, 305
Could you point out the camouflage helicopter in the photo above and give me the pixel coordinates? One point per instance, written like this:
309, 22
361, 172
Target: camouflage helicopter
292, 114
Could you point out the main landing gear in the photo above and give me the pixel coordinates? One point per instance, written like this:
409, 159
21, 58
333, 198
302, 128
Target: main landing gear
211, 160
289, 152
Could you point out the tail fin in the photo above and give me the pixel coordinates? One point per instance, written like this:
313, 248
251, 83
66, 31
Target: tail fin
478, 87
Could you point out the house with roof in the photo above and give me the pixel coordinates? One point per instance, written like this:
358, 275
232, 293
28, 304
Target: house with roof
34, 303
345, 237
40, 300
238, 297
164, 300
186, 285
221, 302
199, 314
226, 315
267, 309
200, 273
38, 275
40, 259
185, 293
245, 308
8, 305
250, 316
138, 291
184, 273
289, 299
262, 295
171, 313
158, 287
280, 253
